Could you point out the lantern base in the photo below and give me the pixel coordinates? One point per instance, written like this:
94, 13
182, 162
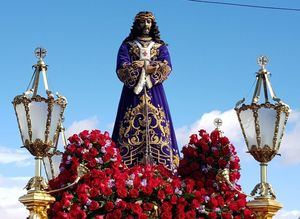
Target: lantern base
37, 202
264, 190
264, 208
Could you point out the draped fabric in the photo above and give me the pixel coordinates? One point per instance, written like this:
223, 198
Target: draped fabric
143, 120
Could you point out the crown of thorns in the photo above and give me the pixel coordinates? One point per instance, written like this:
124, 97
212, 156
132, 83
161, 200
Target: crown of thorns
144, 16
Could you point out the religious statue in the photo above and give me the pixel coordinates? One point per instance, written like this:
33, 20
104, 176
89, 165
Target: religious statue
143, 128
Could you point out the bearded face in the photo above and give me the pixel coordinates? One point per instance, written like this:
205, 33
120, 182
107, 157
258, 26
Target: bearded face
145, 26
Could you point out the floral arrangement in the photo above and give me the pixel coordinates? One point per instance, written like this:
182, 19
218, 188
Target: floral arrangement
111, 190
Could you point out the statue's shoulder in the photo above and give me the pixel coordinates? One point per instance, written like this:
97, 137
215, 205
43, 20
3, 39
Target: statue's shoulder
133, 48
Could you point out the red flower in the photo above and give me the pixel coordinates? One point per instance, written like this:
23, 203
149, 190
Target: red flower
210, 160
147, 206
136, 208
161, 195
173, 199
122, 192
226, 215
65, 203
212, 215
224, 141
222, 163
109, 206
134, 193
94, 206
106, 191
193, 139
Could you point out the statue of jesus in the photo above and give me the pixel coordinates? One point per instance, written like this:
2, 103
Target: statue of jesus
143, 128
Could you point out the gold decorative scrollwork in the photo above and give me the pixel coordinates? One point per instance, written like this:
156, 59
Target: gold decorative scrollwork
263, 154
38, 148
133, 136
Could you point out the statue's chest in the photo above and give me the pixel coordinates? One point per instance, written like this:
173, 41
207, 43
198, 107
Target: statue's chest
144, 51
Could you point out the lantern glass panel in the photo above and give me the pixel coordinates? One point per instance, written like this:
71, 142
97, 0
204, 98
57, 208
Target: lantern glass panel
267, 120
280, 129
247, 121
55, 119
38, 115
21, 114
54, 165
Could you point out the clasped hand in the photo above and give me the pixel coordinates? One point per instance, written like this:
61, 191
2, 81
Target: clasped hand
150, 68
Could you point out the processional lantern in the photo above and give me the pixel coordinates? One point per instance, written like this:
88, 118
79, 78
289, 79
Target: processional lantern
263, 125
40, 123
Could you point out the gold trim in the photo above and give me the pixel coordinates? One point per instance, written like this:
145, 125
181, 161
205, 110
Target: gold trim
132, 134
37, 202
255, 150
40, 147
264, 208
263, 154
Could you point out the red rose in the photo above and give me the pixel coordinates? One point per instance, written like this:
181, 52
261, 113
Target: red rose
92, 163
71, 148
63, 215
94, 192
222, 163
193, 139
209, 160
147, 206
106, 191
84, 134
109, 206
122, 205
167, 215
216, 153
122, 192
161, 195
147, 190
224, 141
94, 205
136, 208
226, 215
68, 196
233, 206
168, 190
134, 193
83, 198
65, 203
212, 215
173, 199
191, 214
166, 206
202, 132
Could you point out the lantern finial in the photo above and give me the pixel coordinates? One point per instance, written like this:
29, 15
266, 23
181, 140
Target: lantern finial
40, 52
262, 61
218, 123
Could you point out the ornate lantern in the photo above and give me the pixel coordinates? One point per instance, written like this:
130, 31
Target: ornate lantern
263, 127
39, 119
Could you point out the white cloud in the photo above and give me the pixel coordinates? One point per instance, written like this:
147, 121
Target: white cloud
230, 127
78, 126
11, 188
290, 147
283, 214
17, 156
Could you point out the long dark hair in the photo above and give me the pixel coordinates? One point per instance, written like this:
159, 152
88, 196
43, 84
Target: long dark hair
135, 32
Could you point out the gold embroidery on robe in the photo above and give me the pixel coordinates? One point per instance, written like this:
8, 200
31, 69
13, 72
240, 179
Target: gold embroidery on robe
132, 134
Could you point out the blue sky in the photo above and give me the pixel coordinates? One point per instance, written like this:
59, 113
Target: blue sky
213, 50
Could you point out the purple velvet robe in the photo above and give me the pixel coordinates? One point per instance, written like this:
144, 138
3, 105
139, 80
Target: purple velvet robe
131, 130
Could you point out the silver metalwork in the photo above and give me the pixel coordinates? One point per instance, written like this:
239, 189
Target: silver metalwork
40, 52
218, 123
263, 125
